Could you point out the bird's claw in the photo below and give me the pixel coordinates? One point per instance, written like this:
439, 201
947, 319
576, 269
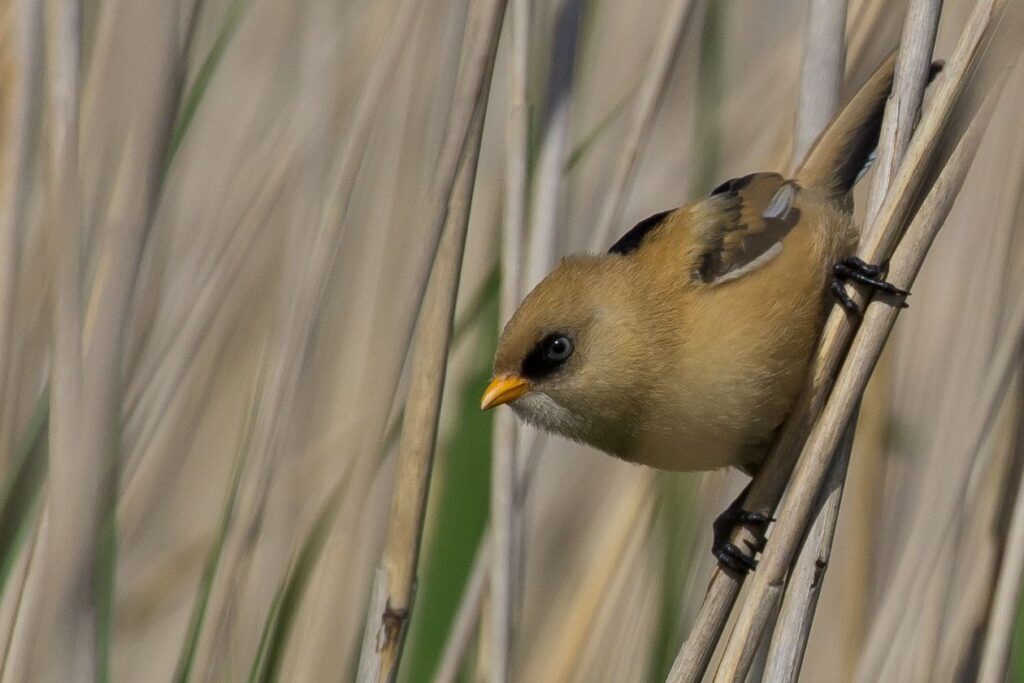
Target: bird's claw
728, 554
731, 557
869, 274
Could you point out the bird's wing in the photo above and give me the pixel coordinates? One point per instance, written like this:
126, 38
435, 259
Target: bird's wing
741, 226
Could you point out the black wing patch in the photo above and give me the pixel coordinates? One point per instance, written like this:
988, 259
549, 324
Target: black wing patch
733, 184
631, 241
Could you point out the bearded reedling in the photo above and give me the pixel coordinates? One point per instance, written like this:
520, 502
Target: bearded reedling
686, 345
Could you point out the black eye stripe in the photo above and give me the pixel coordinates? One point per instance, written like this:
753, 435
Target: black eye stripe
547, 355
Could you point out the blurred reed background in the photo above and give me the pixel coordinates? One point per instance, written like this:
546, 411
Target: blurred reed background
218, 218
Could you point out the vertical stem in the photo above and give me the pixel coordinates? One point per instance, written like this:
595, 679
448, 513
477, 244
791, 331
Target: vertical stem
548, 196
821, 75
66, 583
395, 582
904, 107
789, 641
419, 428
505, 536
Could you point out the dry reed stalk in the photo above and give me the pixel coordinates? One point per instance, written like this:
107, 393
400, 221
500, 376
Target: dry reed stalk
803, 586
548, 212
821, 74
767, 487
649, 97
541, 247
878, 321
913, 62
864, 528
419, 427
73, 634
394, 583
505, 529
517, 152
503, 544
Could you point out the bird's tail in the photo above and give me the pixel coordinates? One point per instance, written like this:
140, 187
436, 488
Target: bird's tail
847, 146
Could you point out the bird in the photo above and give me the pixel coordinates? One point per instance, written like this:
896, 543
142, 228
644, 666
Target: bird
685, 346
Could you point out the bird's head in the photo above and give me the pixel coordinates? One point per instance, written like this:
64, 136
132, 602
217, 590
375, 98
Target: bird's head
574, 357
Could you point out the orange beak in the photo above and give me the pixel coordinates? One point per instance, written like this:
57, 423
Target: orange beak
503, 389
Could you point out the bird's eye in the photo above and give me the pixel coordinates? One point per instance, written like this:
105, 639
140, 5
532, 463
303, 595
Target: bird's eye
547, 356
558, 349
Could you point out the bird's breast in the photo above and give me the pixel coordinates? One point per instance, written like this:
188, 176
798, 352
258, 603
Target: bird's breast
682, 446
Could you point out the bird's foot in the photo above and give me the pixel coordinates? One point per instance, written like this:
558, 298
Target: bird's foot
728, 554
856, 269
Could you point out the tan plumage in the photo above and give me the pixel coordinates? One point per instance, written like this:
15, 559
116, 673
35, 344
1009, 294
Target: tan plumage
685, 346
